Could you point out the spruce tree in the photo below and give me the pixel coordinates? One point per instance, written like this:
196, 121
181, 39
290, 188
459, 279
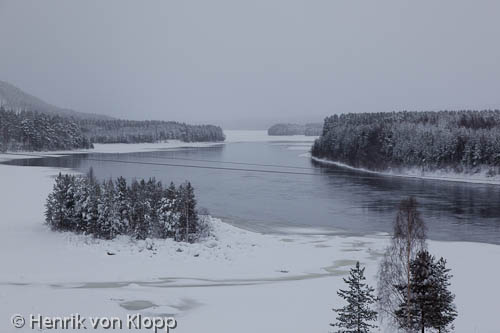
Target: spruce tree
431, 303
444, 311
91, 213
108, 222
60, 206
188, 216
123, 203
357, 315
81, 197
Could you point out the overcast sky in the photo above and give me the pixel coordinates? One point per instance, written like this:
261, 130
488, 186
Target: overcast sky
247, 64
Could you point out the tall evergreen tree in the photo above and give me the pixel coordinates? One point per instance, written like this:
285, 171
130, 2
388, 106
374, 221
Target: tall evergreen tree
431, 303
108, 222
123, 203
445, 310
357, 315
188, 216
60, 206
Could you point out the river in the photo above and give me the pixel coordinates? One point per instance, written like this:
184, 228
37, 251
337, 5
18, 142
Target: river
308, 197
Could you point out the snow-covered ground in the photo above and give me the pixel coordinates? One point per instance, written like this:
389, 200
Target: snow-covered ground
236, 281
481, 177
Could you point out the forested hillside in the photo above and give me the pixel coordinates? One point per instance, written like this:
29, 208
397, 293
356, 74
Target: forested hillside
461, 140
312, 129
36, 131
95, 128
130, 131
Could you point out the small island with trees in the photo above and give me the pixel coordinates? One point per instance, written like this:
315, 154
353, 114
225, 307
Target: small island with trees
311, 129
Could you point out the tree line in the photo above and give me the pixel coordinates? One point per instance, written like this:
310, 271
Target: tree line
132, 131
461, 140
413, 287
143, 209
312, 129
34, 131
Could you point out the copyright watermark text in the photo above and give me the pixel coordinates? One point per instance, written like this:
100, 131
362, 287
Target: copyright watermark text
77, 322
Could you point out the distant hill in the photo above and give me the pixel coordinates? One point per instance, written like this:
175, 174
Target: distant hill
312, 129
13, 98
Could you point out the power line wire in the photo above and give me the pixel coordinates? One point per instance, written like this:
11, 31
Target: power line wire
232, 162
329, 171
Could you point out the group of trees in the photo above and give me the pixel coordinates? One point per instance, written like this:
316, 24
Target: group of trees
413, 288
131, 131
36, 131
461, 140
312, 129
145, 209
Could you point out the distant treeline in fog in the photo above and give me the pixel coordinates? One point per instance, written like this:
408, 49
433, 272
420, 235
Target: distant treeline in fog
313, 129
460, 140
34, 131
131, 131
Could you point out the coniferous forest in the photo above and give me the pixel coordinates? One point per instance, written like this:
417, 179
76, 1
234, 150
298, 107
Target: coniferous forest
311, 129
143, 209
131, 131
36, 131
460, 140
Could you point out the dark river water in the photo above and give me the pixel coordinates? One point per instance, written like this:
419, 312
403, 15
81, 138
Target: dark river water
313, 196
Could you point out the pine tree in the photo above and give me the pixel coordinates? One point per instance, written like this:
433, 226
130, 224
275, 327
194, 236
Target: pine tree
444, 311
81, 197
60, 206
188, 216
356, 316
142, 210
431, 303
108, 222
91, 212
123, 203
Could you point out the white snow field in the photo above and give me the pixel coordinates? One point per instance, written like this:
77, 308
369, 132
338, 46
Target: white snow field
235, 281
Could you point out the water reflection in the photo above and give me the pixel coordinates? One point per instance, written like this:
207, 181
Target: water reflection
326, 197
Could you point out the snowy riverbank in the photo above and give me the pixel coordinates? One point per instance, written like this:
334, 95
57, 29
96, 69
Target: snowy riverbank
235, 281
232, 136
479, 177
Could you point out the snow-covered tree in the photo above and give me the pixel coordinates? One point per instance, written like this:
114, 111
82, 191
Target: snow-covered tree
60, 205
188, 216
357, 316
108, 221
123, 203
431, 303
168, 218
105, 210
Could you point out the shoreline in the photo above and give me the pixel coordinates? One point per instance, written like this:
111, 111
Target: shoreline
297, 273
232, 136
414, 174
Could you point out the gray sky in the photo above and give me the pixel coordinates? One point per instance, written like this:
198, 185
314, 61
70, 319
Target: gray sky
247, 64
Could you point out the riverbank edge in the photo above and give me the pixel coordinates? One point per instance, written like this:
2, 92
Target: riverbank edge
418, 174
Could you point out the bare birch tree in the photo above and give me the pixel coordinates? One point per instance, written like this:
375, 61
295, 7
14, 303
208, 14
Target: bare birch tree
408, 239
